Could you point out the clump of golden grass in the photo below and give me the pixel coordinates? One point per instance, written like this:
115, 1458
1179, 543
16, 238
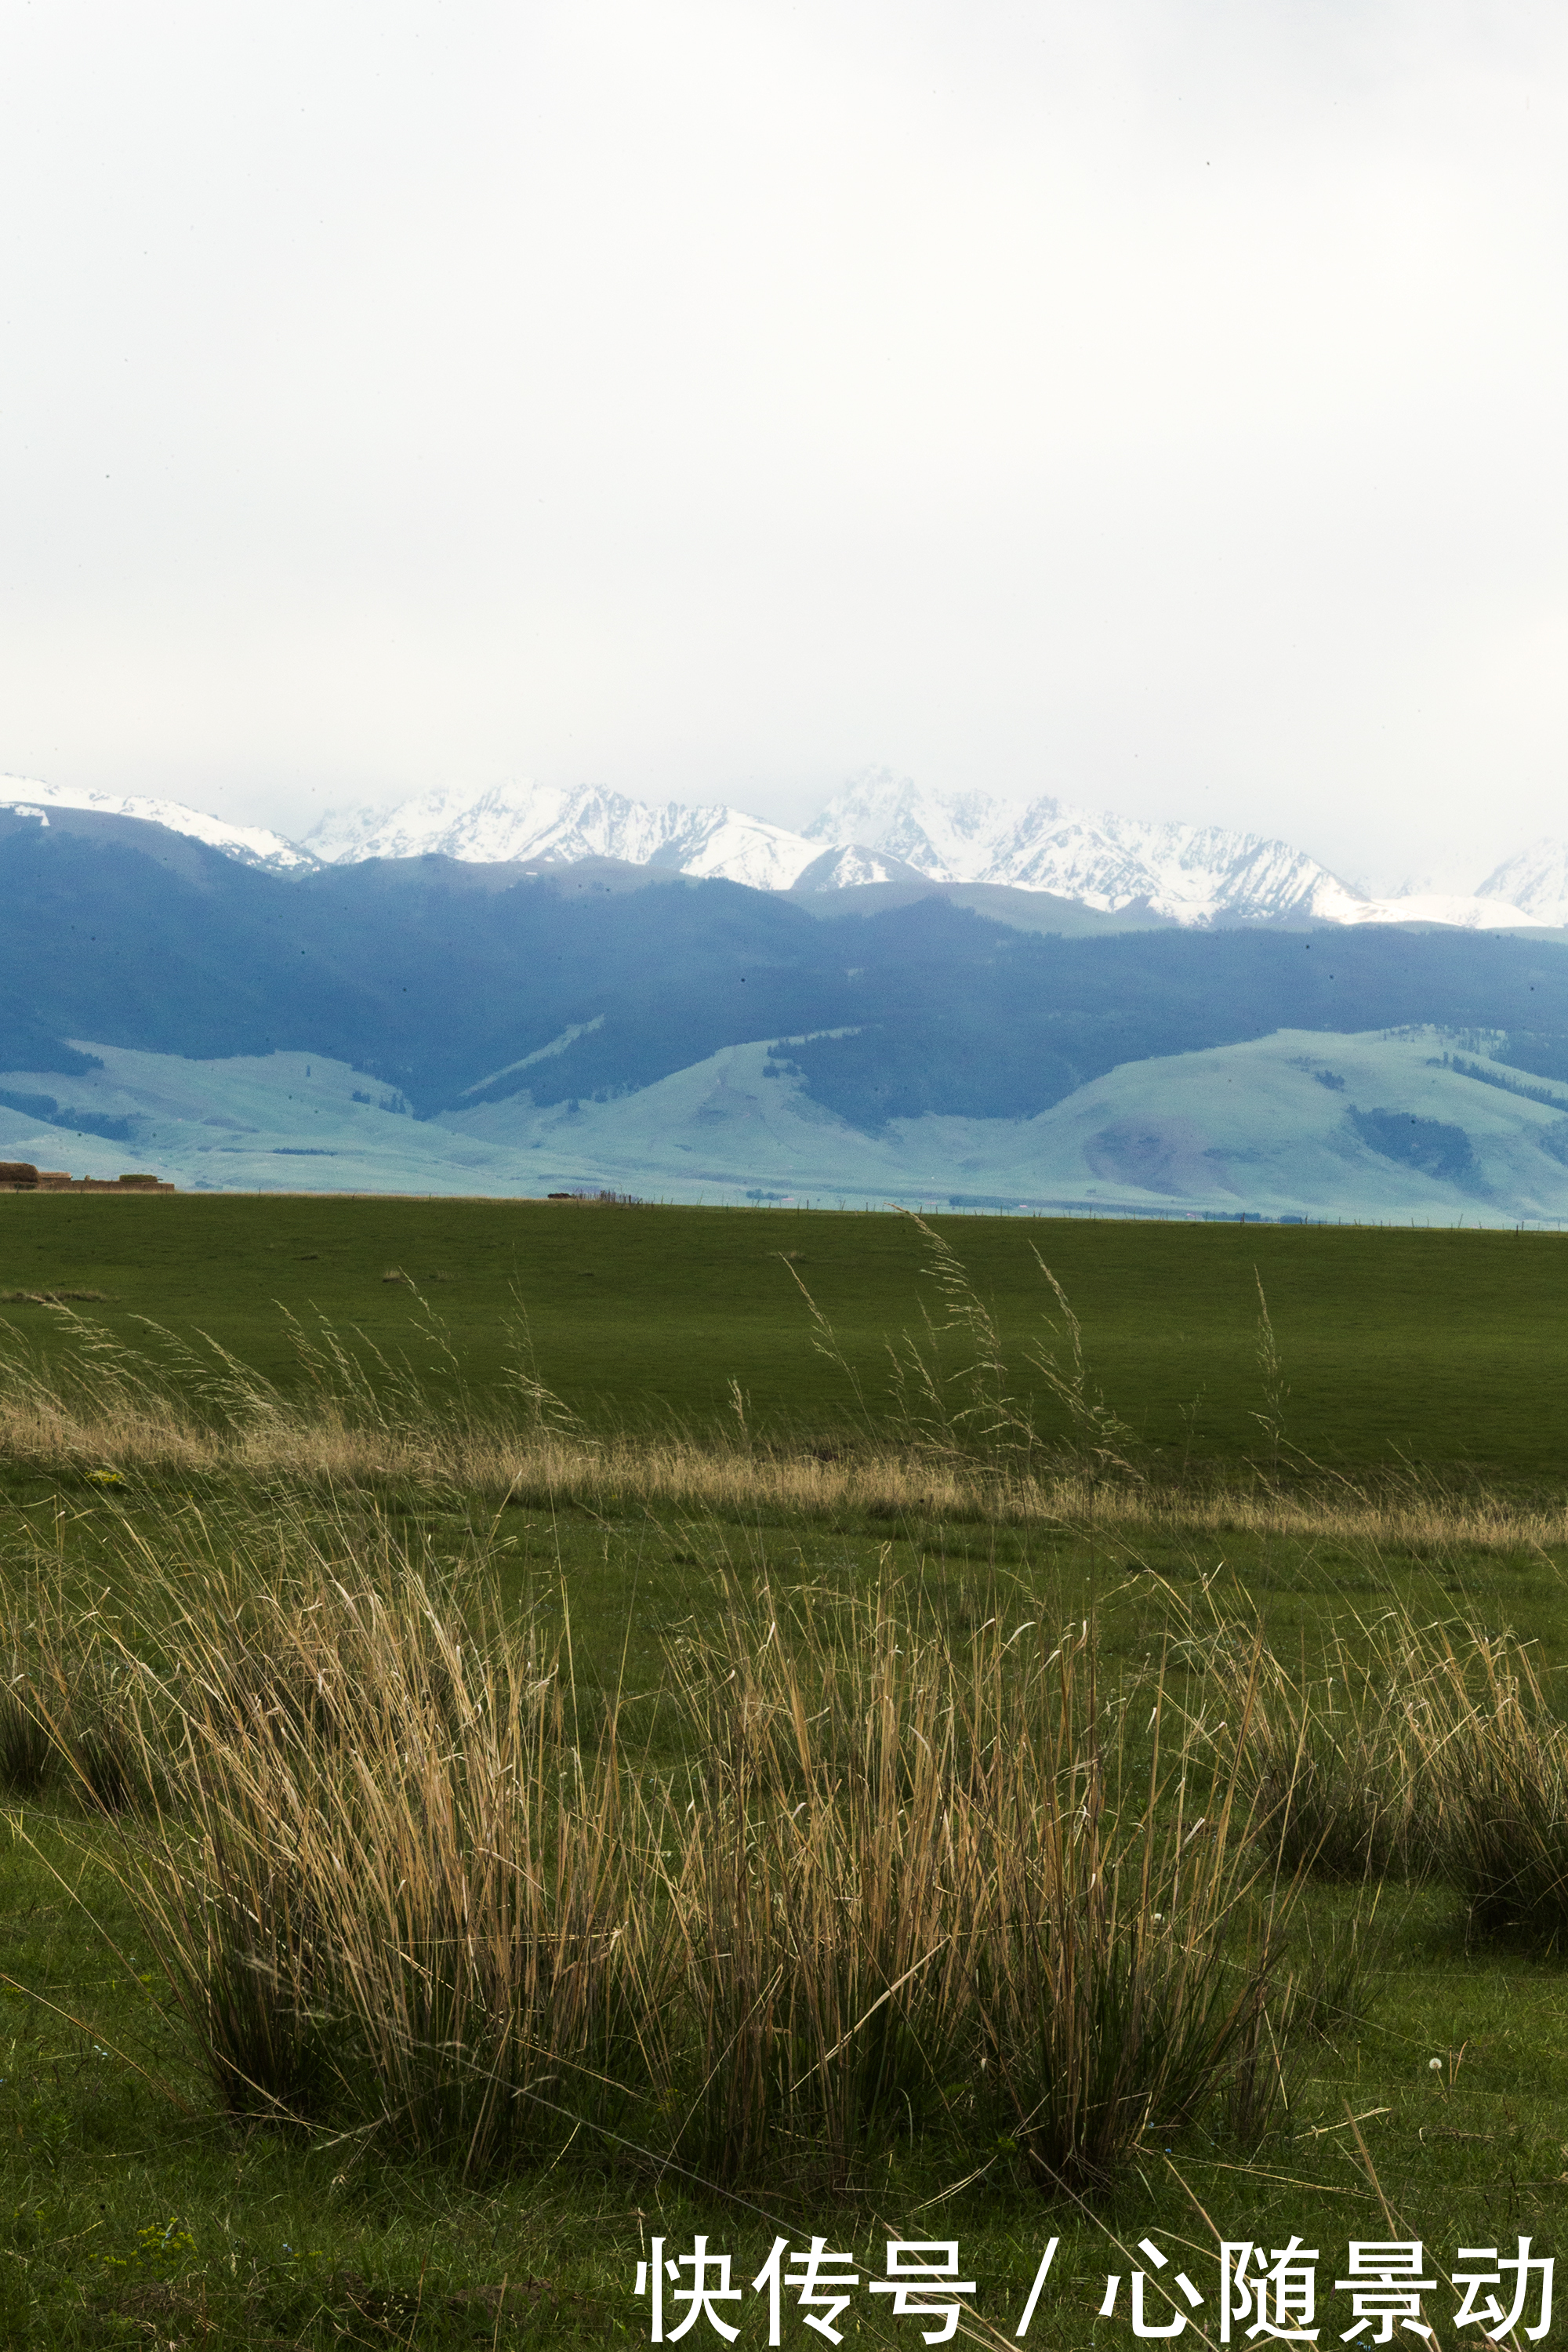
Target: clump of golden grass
896, 1886
1497, 1761
1124, 1959
830, 1886
385, 1882
1414, 1749
1338, 1757
915, 1869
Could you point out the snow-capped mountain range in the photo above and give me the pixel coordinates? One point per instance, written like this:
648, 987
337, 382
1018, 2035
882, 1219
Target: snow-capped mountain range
251, 844
549, 822
1535, 880
1188, 873
879, 829
883, 828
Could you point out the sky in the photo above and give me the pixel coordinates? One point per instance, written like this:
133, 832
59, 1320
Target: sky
1159, 404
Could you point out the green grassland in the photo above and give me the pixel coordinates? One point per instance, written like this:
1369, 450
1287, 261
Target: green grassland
134, 2211
1443, 1349
111, 2133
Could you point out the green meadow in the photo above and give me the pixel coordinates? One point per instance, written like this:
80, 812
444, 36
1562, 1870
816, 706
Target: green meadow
1443, 1349
511, 1751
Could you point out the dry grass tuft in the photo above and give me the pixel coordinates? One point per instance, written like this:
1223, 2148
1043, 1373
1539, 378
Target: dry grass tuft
1338, 1757
830, 1884
1412, 1750
1495, 1761
898, 1887
382, 1883
1132, 1933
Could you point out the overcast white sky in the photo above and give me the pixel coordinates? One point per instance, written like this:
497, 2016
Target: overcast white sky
1159, 402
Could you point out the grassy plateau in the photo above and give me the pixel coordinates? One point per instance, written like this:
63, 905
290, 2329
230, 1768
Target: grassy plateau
527, 1730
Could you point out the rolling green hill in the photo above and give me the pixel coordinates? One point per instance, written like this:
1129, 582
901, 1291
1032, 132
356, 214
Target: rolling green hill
1298, 1124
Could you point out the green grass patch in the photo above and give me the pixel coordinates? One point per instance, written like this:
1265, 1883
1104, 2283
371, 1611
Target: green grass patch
1438, 1347
136, 2201
1418, 2089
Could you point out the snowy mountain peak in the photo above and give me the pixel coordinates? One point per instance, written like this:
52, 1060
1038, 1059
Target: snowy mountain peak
1190, 874
879, 828
948, 837
854, 868
251, 844
1535, 880
525, 821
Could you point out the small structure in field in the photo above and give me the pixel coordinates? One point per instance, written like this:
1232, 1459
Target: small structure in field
21, 1176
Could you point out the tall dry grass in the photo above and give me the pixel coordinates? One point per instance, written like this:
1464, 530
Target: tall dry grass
381, 1880
834, 1881
1495, 1763
827, 1871
1414, 1749
1337, 1752
961, 1447
1132, 1933
960, 1883
895, 1886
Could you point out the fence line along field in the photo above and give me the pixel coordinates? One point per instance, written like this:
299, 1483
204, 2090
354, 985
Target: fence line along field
532, 1734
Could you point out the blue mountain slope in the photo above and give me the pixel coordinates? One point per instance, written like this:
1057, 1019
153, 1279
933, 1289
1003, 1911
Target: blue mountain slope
438, 979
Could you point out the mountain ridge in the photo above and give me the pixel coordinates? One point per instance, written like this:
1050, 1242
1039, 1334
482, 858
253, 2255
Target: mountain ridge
883, 828
440, 977
163, 997
248, 844
1534, 879
877, 832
